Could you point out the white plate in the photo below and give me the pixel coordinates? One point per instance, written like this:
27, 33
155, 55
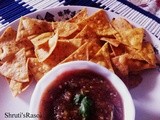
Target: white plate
146, 96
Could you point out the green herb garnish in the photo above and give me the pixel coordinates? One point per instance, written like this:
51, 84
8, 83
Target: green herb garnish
78, 98
85, 105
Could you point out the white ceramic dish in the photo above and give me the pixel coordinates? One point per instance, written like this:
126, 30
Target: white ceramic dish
50, 77
146, 96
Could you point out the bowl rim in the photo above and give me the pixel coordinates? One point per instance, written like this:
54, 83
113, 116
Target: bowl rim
128, 105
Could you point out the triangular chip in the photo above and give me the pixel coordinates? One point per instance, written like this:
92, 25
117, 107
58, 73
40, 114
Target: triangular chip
41, 38
64, 49
120, 62
99, 22
17, 87
121, 24
43, 51
147, 53
39, 69
116, 51
112, 41
102, 57
16, 68
133, 37
31, 26
65, 29
138, 65
85, 52
8, 43
80, 16
86, 33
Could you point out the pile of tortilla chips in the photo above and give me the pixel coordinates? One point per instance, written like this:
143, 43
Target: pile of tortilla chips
37, 46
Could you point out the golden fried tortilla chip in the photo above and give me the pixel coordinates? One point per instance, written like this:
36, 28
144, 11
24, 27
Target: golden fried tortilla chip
64, 49
85, 52
39, 69
121, 24
17, 87
16, 68
65, 29
120, 62
121, 49
138, 65
147, 53
99, 22
8, 43
43, 51
86, 33
31, 26
80, 16
133, 37
112, 41
41, 38
102, 57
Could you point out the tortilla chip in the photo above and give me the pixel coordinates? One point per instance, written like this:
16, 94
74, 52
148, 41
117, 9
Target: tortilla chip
30, 53
43, 51
138, 65
133, 37
27, 44
39, 69
112, 41
121, 49
8, 43
63, 50
80, 16
86, 33
17, 87
121, 24
120, 62
16, 68
147, 53
65, 29
102, 57
41, 38
85, 52
99, 22
30, 26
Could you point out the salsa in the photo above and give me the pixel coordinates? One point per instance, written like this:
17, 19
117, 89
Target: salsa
81, 95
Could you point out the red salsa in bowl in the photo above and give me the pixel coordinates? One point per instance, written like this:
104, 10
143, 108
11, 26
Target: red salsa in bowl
81, 90
81, 94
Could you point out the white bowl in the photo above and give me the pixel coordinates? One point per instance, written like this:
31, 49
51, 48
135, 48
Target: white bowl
128, 106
